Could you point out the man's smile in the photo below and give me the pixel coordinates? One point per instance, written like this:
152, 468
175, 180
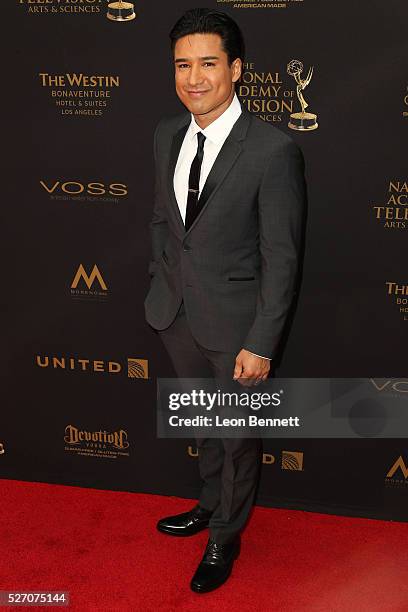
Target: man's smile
197, 94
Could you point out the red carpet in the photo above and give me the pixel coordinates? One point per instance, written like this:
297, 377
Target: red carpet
102, 546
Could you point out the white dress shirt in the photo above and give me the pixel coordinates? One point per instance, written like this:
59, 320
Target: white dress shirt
215, 136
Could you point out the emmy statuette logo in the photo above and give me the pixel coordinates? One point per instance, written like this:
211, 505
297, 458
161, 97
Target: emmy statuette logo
121, 11
304, 122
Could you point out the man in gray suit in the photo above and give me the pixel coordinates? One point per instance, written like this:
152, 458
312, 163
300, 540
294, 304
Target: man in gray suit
226, 231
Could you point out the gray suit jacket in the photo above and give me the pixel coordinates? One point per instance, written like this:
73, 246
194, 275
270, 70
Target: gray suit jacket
236, 266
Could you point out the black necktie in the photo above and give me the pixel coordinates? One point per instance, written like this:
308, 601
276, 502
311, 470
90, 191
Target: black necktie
194, 183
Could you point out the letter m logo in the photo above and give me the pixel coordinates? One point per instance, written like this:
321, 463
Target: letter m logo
88, 279
398, 464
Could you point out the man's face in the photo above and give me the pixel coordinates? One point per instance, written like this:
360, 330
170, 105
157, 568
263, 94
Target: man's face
204, 80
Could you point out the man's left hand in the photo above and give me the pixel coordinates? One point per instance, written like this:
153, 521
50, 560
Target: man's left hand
250, 369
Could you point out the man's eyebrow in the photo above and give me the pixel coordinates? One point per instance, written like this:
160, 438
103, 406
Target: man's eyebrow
207, 57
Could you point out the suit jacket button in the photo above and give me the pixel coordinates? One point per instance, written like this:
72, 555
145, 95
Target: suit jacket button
186, 247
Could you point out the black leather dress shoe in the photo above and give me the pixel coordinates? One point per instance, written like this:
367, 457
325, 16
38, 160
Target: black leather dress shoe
215, 566
185, 524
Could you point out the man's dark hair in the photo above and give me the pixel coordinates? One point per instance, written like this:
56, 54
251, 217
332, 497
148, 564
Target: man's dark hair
208, 21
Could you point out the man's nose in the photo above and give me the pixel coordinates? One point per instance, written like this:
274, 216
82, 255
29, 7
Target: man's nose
195, 75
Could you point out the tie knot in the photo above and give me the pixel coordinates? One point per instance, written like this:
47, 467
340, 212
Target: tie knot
200, 138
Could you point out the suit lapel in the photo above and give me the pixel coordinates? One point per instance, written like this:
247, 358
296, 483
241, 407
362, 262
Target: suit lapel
226, 158
176, 143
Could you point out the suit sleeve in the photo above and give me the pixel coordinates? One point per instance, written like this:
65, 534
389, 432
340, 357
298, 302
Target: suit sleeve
158, 224
281, 205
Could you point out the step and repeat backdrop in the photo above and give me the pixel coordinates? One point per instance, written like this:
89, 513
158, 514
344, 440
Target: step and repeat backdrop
83, 92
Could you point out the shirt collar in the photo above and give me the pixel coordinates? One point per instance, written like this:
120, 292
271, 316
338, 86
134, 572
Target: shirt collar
219, 129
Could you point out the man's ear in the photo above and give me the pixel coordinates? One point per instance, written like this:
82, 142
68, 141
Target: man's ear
236, 67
